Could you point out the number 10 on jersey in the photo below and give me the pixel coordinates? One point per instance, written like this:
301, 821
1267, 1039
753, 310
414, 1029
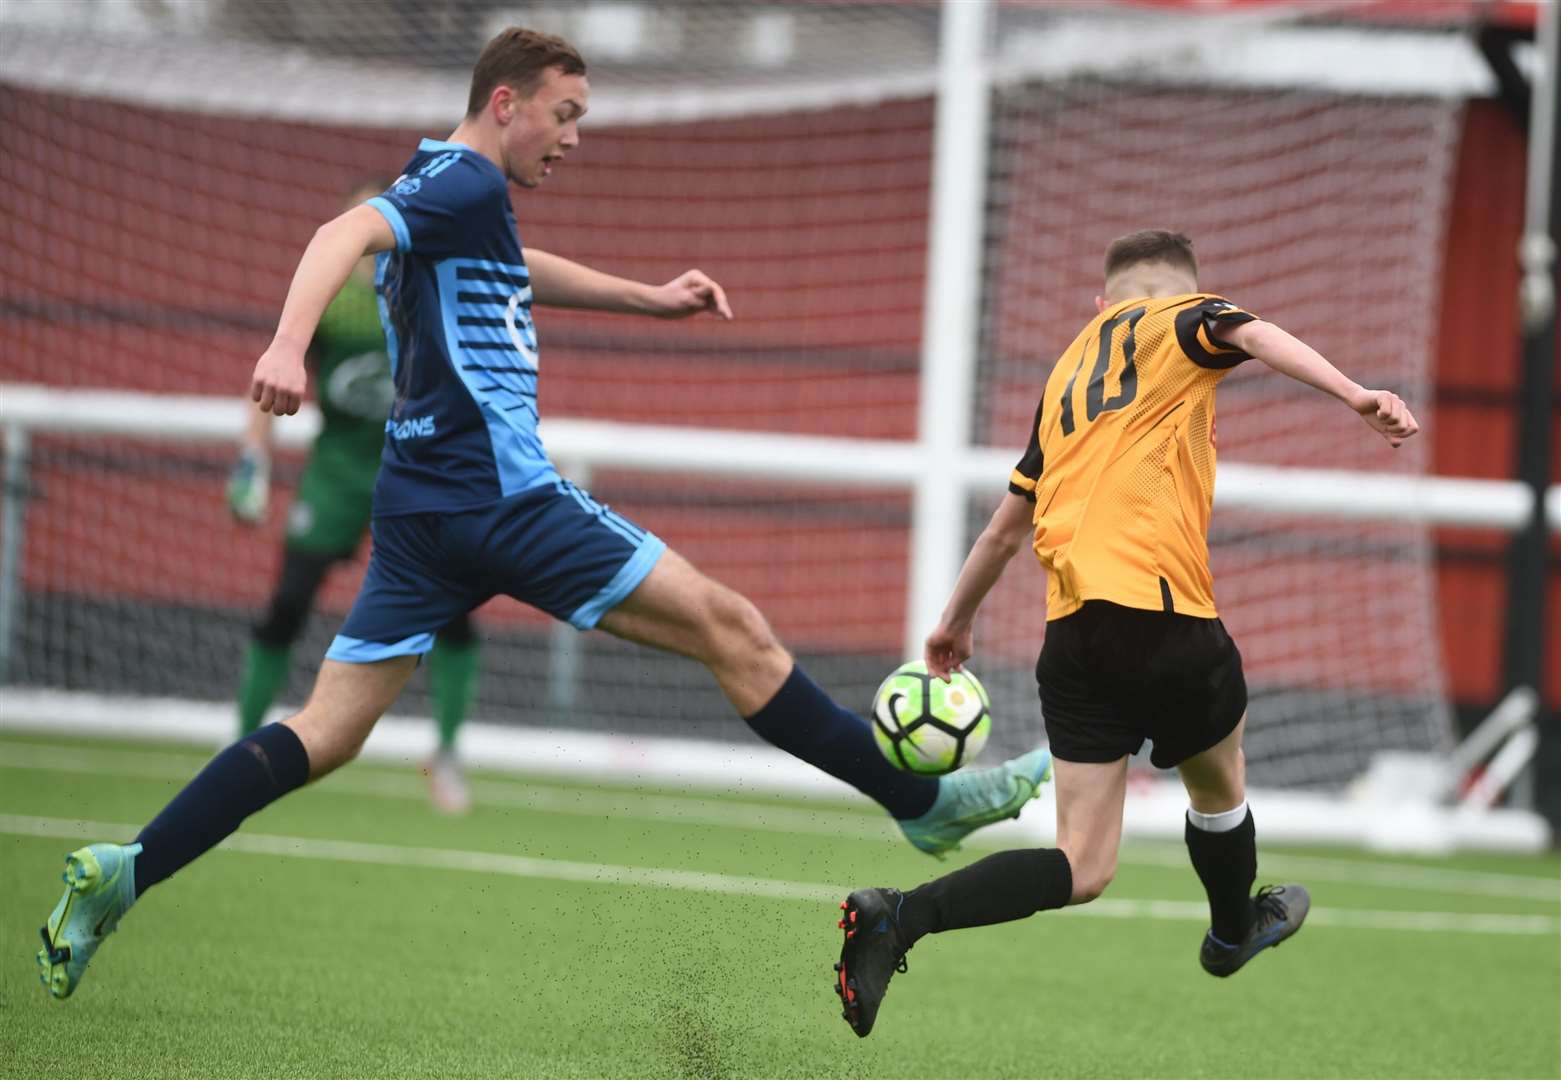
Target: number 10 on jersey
1095, 400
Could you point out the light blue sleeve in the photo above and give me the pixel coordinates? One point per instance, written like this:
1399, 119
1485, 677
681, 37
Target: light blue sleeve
445, 206
398, 224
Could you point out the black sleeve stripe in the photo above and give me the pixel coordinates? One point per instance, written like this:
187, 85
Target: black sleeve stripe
1033, 461
1234, 316
1190, 320
1026, 494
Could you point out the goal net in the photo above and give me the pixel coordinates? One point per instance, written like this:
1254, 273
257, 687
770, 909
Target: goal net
165, 165
1320, 207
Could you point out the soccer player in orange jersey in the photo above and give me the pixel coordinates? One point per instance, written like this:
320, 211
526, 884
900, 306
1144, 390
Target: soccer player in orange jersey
1114, 494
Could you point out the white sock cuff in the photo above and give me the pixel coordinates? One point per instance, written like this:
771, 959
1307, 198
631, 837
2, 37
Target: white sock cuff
1224, 821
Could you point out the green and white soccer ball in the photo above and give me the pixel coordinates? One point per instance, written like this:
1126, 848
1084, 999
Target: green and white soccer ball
928, 726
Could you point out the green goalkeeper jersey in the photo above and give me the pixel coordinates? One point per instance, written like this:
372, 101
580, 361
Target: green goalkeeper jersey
352, 382
354, 388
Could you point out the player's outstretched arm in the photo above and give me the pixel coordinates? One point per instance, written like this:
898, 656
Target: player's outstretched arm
560, 282
1383, 410
278, 384
952, 642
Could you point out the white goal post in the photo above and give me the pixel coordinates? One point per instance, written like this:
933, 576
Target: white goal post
1408, 803
1343, 495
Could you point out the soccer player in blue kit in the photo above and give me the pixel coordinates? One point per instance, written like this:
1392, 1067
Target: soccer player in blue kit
468, 505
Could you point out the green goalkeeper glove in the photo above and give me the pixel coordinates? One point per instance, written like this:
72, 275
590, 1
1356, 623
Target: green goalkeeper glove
249, 486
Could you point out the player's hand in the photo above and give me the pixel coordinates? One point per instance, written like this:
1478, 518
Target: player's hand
947, 649
1387, 415
249, 486
278, 384
691, 293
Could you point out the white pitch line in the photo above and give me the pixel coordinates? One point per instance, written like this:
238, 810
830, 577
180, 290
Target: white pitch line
686, 810
732, 884
1354, 918
1391, 875
733, 814
484, 862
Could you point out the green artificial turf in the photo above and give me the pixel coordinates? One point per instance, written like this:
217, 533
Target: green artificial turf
256, 964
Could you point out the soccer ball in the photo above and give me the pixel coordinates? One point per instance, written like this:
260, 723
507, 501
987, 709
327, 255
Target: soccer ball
928, 726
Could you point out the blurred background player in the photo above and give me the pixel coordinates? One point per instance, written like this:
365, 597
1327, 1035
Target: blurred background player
467, 505
1115, 491
330, 513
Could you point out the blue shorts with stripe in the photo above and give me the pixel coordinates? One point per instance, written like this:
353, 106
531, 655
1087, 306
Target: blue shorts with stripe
553, 547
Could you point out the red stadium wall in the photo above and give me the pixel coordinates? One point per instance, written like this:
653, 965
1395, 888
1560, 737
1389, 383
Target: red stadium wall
166, 242
154, 250
170, 240
1478, 379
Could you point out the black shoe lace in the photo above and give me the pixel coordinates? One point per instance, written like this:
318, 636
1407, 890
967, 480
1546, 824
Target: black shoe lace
1270, 907
902, 967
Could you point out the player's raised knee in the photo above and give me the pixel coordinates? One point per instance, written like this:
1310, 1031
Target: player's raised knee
329, 746
1088, 887
1090, 882
735, 626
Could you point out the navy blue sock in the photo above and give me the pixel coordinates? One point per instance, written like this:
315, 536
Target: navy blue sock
248, 776
805, 722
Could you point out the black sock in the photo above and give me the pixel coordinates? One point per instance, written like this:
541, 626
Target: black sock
249, 775
999, 888
805, 722
1226, 863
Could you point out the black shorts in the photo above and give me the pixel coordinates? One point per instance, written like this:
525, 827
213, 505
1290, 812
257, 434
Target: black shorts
1111, 677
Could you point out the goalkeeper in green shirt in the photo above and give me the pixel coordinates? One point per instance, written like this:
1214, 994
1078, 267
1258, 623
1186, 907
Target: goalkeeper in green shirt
330, 514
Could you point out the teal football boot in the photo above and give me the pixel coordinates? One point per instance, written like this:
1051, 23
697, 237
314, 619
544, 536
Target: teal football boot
99, 889
968, 800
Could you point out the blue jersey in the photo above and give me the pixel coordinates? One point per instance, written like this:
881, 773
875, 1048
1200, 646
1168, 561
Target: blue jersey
455, 300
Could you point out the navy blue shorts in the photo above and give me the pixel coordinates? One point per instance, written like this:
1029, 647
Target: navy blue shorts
553, 547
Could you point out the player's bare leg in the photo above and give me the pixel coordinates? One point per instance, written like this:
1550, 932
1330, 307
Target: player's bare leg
1216, 780
881, 925
102, 881
1089, 822
346, 703
1221, 841
679, 609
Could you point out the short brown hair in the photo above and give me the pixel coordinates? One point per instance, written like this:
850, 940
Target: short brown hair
519, 58
1151, 245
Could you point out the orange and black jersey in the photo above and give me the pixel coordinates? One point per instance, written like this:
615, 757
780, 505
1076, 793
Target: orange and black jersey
1121, 457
